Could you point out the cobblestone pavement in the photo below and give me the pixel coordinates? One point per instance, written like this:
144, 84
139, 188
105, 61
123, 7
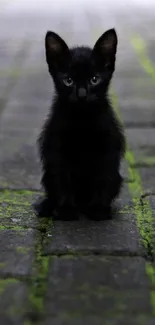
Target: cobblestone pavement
83, 272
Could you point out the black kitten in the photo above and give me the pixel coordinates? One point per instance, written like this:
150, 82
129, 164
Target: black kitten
82, 143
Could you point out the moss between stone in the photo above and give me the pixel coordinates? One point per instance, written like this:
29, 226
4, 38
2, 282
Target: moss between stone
18, 228
37, 289
140, 47
38, 282
14, 214
7, 220
19, 197
27, 322
142, 210
126, 210
23, 250
153, 301
5, 282
143, 214
151, 273
38, 286
144, 162
150, 270
2, 265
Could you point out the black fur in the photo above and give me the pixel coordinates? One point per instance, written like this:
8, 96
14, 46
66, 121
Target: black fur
82, 142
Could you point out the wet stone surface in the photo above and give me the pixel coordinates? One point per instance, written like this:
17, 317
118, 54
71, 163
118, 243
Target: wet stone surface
84, 272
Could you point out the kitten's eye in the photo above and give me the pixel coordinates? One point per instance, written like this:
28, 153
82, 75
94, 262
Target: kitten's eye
95, 80
68, 81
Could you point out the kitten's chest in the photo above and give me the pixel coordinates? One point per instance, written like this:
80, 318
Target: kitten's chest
83, 139
74, 137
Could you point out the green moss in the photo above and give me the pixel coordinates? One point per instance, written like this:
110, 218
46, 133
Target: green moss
19, 197
38, 282
7, 213
12, 227
38, 288
150, 270
5, 282
27, 322
143, 215
17, 216
153, 301
140, 47
38, 285
141, 208
149, 161
23, 250
2, 265
126, 209
144, 162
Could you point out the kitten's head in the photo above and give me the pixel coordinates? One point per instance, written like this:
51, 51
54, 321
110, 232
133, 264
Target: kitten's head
81, 73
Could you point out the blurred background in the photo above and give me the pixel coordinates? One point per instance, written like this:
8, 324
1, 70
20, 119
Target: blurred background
26, 87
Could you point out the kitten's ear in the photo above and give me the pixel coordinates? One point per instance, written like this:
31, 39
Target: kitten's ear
106, 45
56, 49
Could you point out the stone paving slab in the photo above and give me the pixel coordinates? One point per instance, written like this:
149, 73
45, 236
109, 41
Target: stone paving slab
83, 286
33, 92
135, 97
113, 272
107, 237
16, 252
9, 77
147, 177
151, 198
142, 110
141, 141
92, 320
134, 87
20, 123
21, 170
10, 199
13, 298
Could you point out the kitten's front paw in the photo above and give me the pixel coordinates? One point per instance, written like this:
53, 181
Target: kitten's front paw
67, 213
43, 208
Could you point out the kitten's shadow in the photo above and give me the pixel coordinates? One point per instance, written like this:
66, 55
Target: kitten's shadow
69, 215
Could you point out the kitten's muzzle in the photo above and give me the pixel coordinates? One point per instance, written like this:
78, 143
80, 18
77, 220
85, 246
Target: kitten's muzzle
82, 93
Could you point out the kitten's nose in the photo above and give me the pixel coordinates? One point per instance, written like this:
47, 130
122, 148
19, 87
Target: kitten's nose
82, 93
